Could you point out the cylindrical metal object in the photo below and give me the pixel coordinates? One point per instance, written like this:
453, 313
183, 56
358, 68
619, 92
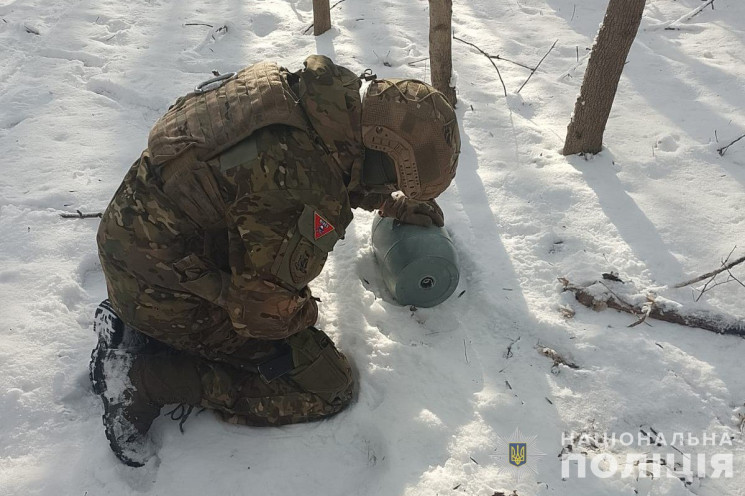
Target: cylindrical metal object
419, 264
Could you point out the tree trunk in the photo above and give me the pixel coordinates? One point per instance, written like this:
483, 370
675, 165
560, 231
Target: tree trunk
440, 46
321, 16
585, 130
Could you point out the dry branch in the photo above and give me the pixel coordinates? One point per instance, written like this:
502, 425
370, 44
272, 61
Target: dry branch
490, 60
519, 64
708, 275
557, 358
81, 215
598, 296
532, 71
670, 26
723, 149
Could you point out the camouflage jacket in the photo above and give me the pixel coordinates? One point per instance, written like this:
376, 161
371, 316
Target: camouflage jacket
244, 231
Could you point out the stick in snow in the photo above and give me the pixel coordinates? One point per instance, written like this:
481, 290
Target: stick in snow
490, 60
691, 15
670, 26
723, 149
537, 66
81, 215
589, 296
557, 358
725, 266
519, 64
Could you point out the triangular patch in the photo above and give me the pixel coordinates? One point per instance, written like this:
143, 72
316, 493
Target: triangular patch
321, 227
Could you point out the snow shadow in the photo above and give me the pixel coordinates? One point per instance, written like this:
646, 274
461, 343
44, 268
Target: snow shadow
639, 233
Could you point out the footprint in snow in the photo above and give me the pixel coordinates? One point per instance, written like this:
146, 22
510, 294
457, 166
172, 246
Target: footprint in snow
668, 143
264, 24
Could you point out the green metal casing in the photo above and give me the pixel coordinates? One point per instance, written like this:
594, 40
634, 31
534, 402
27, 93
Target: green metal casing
419, 264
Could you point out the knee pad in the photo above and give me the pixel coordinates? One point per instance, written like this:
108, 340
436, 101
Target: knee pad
319, 367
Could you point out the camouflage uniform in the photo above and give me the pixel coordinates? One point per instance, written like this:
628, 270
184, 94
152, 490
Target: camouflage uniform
211, 253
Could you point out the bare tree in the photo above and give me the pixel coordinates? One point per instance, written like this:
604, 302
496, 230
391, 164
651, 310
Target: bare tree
321, 16
617, 33
440, 46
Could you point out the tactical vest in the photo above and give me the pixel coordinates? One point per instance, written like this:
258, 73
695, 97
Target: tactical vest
210, 122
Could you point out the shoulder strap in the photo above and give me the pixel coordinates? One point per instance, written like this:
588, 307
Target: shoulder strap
215, 120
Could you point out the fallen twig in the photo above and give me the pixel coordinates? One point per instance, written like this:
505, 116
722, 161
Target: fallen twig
557, 358
499, 57
725, 266
670, 26
706, 287
81, 215
199, 24
580, 61
508, 354
732, 276
490, 60
644, 316
723, 149
411, 64
313, 24
566, 311
629, 308
592, 297
691, 15
31, 30
537, 66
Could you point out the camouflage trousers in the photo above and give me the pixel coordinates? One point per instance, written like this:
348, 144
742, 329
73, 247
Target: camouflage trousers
316, 383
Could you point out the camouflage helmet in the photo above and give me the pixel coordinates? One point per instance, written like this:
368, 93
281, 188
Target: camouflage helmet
416, 127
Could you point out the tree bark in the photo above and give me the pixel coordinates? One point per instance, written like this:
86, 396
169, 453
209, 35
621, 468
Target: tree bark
585, 130
440, 46
321, 16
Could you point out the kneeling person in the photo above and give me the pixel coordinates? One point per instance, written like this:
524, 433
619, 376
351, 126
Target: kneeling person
210, 242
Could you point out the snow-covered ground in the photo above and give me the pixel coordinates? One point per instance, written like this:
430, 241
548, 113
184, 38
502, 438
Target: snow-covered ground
82, 81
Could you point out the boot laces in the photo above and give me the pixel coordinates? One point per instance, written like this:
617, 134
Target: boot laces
181, 414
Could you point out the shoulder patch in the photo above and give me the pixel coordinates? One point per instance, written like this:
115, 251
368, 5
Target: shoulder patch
321, 227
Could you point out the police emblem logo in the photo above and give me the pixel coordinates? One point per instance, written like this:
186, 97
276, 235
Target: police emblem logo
518, 454
512, 454
321, 227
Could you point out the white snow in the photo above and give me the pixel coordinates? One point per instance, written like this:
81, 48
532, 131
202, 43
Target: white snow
437, 388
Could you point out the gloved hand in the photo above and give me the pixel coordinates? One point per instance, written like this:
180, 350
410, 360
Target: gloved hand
420, 213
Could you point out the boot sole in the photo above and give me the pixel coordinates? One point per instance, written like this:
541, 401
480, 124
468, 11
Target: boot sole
110, 412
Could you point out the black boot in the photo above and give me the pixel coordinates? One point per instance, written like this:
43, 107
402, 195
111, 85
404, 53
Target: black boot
127, 413
126, 417
112, 334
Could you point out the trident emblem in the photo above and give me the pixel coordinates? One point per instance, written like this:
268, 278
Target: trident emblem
518, 455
